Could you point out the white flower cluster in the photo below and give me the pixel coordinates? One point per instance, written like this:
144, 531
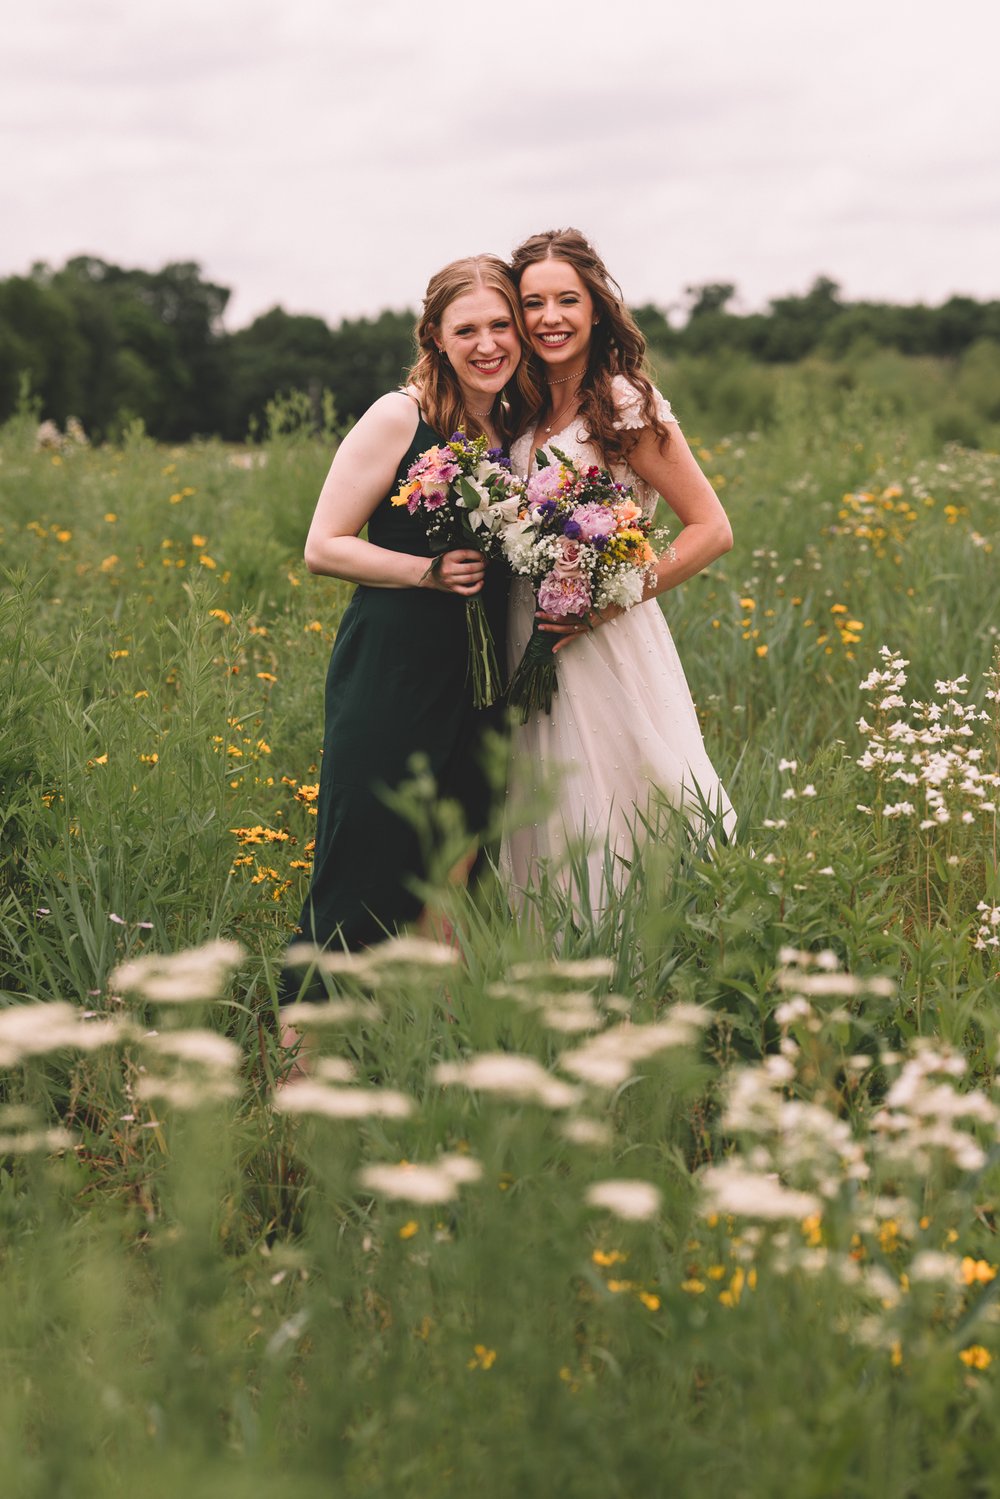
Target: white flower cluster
926, 751
988, 934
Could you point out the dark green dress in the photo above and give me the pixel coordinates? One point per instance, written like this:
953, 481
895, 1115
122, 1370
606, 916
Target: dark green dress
398, 686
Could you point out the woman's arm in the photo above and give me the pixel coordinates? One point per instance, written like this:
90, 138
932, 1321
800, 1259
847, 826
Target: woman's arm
363, 469
705, 530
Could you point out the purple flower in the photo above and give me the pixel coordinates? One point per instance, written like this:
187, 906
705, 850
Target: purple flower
573, 529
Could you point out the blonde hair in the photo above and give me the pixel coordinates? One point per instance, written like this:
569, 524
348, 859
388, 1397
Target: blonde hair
433, 376
616, 345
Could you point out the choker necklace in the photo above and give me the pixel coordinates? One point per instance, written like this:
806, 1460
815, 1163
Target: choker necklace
471, 411
563, 378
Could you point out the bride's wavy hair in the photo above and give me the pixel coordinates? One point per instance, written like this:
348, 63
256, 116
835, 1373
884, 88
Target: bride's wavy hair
432, 373
616, 345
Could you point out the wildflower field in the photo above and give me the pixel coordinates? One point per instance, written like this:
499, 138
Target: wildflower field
701, 1200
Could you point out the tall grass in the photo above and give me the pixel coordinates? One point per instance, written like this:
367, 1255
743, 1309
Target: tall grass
204, 1291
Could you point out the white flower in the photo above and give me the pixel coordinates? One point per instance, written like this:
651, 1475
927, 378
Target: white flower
314, 1097
508, 1074
626, 1198
730, 1188
31, 1030
409, 1182
198, 973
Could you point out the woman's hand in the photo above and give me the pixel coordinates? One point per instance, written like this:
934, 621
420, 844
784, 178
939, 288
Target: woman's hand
460, 571
571, 626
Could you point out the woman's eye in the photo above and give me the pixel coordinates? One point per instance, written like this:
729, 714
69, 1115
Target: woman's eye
501, 324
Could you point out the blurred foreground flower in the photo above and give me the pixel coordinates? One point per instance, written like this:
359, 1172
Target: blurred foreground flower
408, 1182
199, 973
627, 1198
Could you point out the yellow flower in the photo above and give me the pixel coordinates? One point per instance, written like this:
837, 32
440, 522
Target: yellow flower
482, 1357
896, 1354
111, 517
141, 693
207, 561
409, 1229
977, 1272
222, 615
313, 625
199, 541
747, 604
109, 563
117, 655
976, 1356
405, 493
267, 676
693, 1287
731, 1297
608, 1257
888, 1236
64, 535
761, 650
152, 759
649, 1301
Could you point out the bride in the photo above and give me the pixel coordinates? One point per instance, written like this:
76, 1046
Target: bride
623, 727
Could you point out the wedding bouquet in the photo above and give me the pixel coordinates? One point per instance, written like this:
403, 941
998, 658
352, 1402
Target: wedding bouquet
465, 495
584, 543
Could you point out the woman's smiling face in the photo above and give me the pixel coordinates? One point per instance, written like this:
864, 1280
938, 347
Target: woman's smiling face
558, 313
480, 338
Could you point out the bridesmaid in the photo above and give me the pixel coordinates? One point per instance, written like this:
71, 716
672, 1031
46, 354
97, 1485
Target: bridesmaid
398, 683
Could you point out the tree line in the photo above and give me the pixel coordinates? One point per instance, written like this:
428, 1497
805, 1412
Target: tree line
109, 345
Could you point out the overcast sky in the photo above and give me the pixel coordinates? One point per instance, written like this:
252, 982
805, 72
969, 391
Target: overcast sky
330, 156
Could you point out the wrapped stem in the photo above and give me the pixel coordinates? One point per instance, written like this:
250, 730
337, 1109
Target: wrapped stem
534, 683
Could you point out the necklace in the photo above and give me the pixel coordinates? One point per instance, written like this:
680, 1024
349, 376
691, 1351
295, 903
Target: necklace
563, 378
471, 411
548, 429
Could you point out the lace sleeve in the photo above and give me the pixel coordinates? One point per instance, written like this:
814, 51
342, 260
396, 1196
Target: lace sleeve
628, 402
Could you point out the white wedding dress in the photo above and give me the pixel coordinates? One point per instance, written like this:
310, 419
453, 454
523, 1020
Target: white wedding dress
623, 731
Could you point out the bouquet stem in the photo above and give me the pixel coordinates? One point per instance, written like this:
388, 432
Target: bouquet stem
483, 667
534, 683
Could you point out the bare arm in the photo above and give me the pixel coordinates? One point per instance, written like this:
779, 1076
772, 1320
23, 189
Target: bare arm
361, 474
705, 530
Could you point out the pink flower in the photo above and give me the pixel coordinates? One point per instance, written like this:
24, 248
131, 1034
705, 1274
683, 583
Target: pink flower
596, 522
547, 483
563, 595
568, 565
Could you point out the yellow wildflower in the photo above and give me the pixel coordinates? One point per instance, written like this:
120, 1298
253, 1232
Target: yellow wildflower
482, 1357
607, 1257
976, 1356
977, 1272
409, 1229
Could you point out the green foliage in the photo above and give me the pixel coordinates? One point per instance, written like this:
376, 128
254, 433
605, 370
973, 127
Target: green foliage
210, 1299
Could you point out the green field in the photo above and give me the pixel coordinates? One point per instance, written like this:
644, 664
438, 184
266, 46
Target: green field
791, 1047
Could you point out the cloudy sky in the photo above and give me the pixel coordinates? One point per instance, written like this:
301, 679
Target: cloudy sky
329, 155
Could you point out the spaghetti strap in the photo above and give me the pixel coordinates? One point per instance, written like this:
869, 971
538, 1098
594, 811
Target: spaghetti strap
415, 399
